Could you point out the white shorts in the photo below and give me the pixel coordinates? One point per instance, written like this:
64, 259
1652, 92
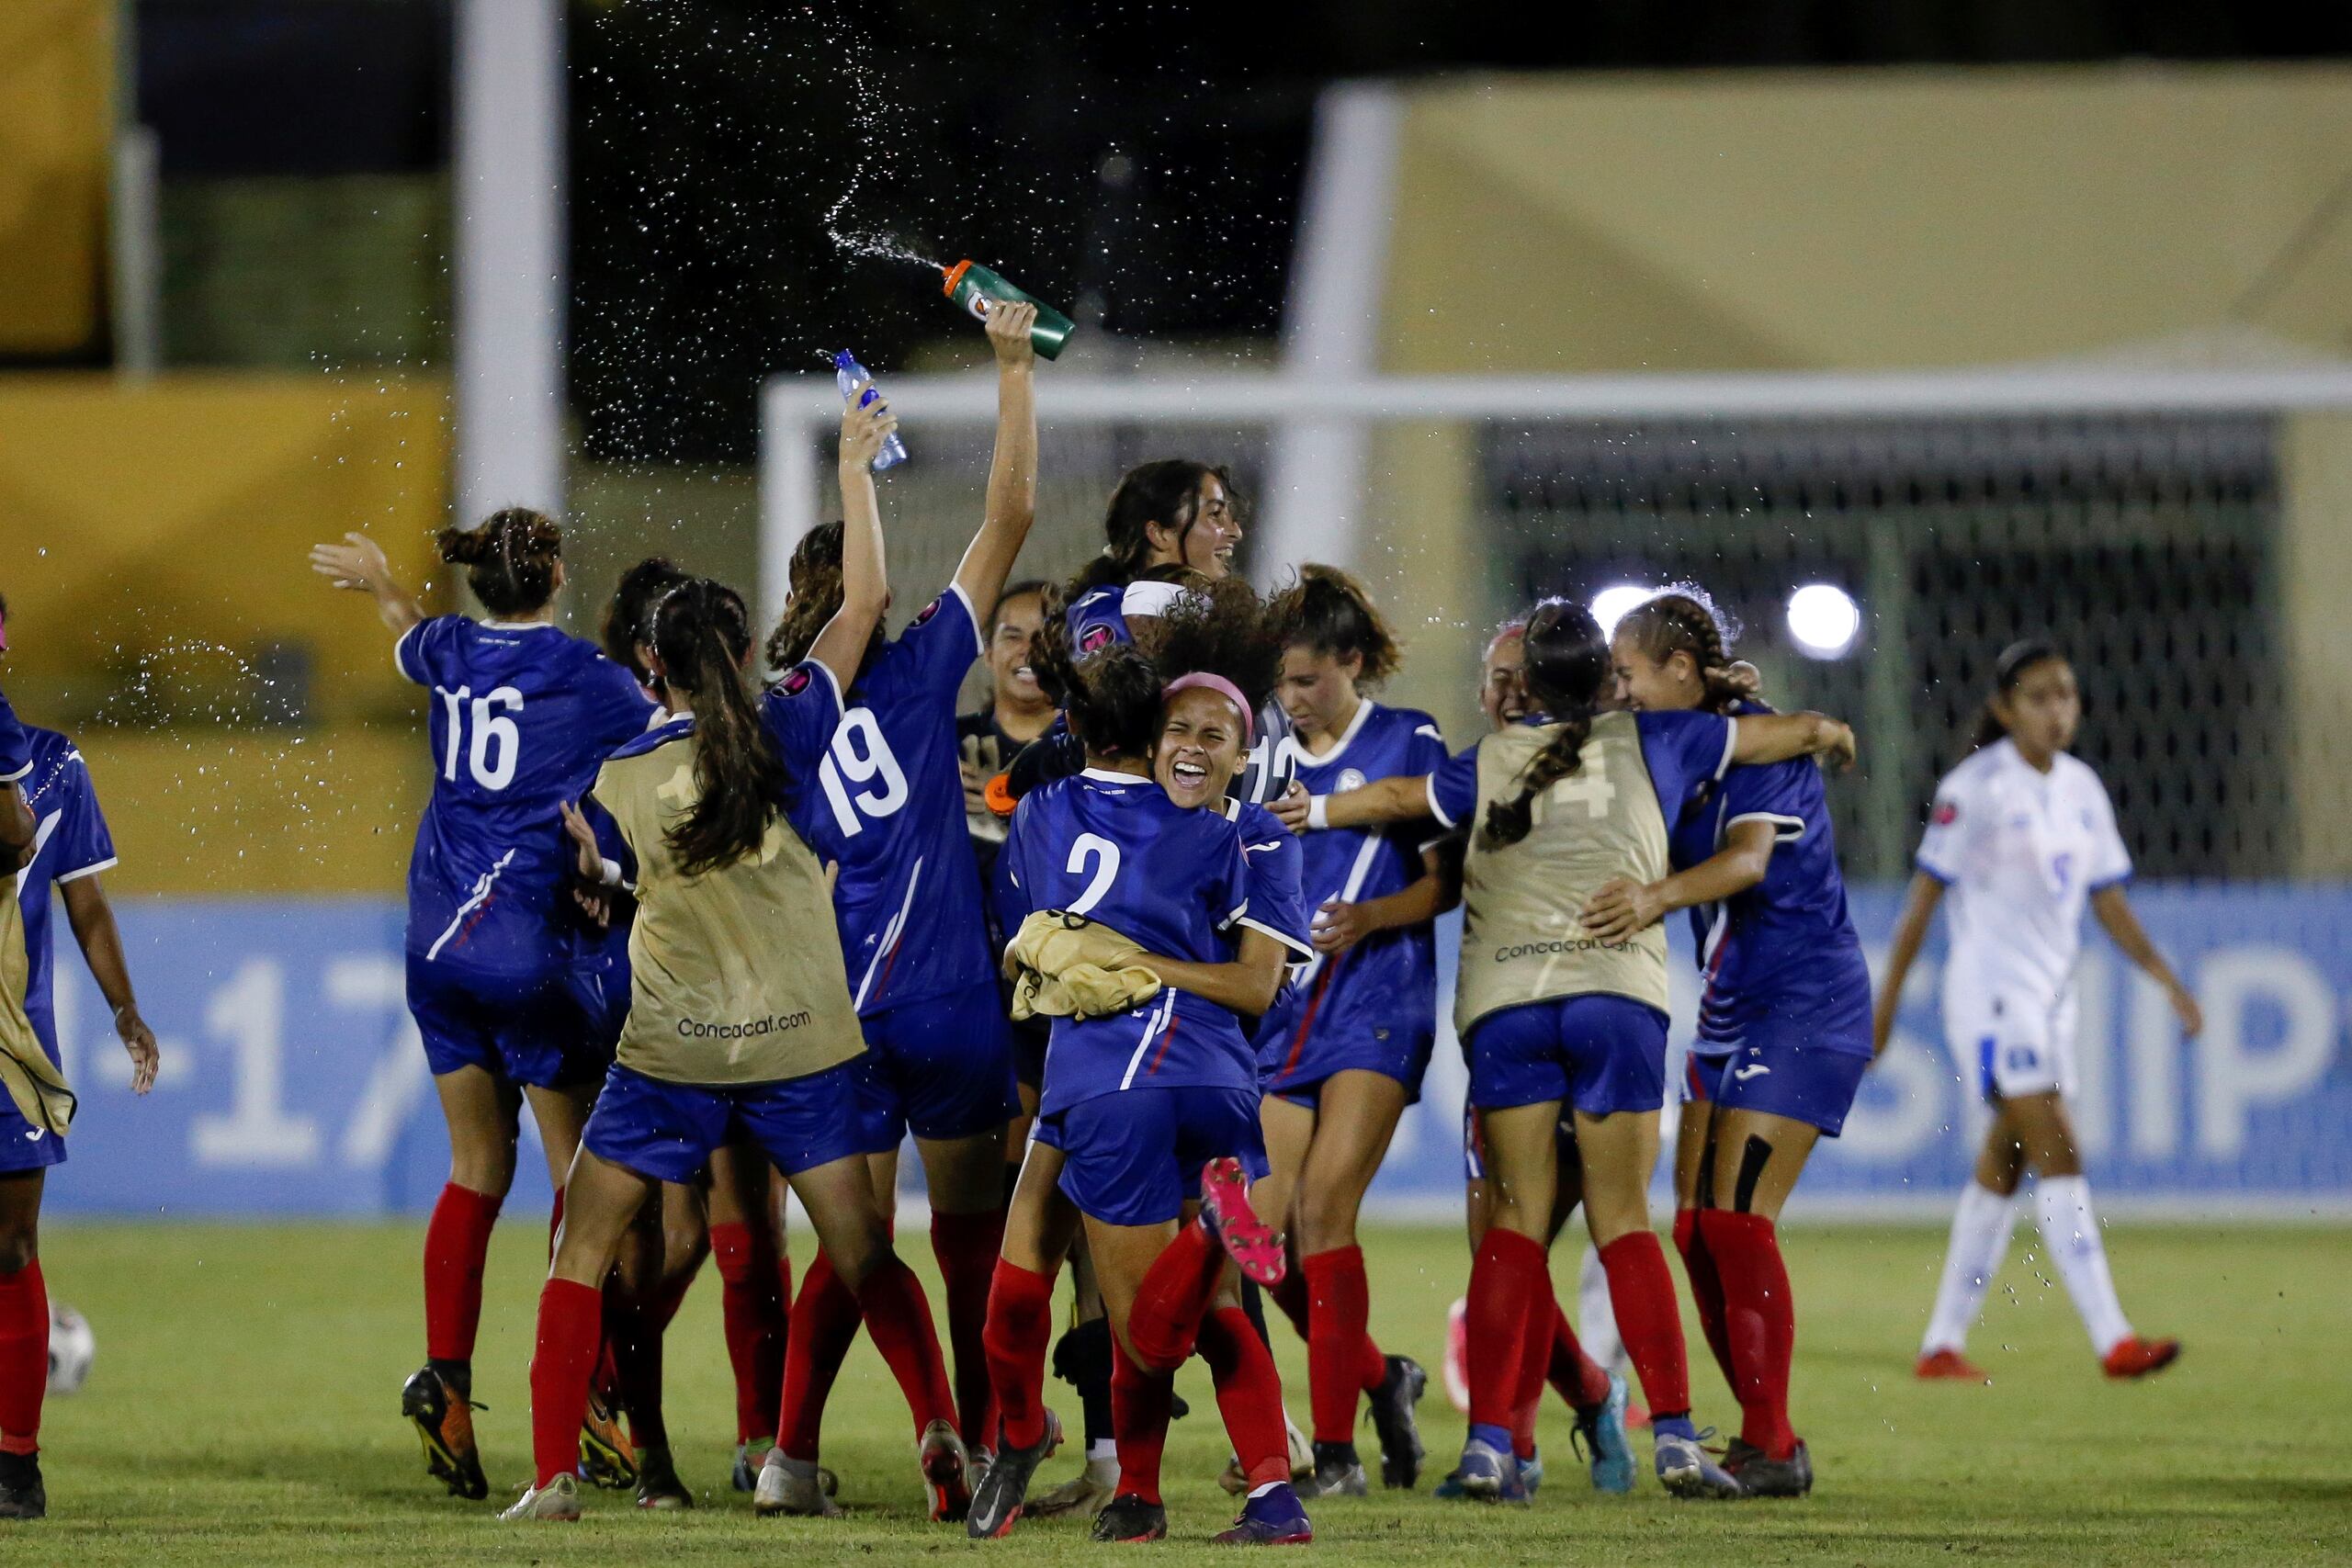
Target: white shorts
2014, 1048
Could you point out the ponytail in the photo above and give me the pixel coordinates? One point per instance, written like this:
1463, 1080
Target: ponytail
628, 619
2007, 671
702, 631
1567, 665
510, 561
1684, 620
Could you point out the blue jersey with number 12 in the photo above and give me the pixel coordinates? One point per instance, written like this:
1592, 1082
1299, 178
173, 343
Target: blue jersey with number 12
1113, 846
887, 807
522, 717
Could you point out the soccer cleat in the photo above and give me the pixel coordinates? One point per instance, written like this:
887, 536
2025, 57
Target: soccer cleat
658, 1485
745, 1476
444, 1419
945, 1471
1338, 1472
1948, 1366
606, 1457
22, 1496
1302, 1453
1130, 1518
1255, 1246
2136, 1358
1760, 1475
1600, 1437
1531, 1472
556, 1503
1456, 1368
977, 1464
791, 1487
1686, 1470
1487, 1475
1003, 1493
1087, 1492
1401, 1449
1272, 1517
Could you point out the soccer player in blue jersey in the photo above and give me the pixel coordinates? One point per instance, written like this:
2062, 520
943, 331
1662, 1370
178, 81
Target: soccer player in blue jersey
520, 717
1167, 517
887, 809
1342, 1053
1553, 1016
52, 837
1784, 1019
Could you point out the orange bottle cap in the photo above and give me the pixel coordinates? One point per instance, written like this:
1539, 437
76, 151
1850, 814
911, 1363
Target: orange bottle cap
955, 275
998, 794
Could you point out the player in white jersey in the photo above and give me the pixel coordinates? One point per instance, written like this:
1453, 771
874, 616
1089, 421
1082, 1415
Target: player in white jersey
2021, 838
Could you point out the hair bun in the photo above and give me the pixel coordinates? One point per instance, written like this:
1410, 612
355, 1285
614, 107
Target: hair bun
464, 547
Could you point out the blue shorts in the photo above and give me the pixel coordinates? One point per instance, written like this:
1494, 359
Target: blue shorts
942, 1068
1298, 1075
1029, 1043
1134, 1158
1600, 1054
667, 1130
528, 1028
1773, 1073
24, 1146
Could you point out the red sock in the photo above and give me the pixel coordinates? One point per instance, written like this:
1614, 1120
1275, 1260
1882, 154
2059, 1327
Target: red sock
824, 1324
1582, 1380
1339, 1305
24, 1357
752, 1307
1706, 1283
1249, 1395
1139, 1407
1759, 1323
965, 1246
1019, 1333
1291, 1296
457, 1242
1508, 1276
1534, 1361
1641, 1293
898, 1317
572, 1323
1173, 1297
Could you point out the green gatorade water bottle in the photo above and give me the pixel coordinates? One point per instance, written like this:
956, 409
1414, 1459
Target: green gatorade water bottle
975, 288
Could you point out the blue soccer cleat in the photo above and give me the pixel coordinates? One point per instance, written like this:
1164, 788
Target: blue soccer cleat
1487, 1475
1601, 1435
1272, 1517
1688, 1472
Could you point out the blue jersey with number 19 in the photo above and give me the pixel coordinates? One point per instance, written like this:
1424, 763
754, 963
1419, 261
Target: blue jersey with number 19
1113, 846
886, 805
522, 717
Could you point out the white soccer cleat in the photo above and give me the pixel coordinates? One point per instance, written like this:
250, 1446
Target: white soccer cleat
791, 1488
556, 1503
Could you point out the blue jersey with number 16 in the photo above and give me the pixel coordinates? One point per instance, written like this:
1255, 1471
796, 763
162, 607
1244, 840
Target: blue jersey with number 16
522, 717
887, 807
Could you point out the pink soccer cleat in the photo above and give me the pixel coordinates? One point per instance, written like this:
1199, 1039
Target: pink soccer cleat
1255, 1246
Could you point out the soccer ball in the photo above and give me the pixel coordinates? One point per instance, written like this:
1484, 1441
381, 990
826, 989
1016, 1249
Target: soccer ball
72, 1348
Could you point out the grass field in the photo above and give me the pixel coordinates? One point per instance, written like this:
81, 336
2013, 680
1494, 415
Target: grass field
243, 1412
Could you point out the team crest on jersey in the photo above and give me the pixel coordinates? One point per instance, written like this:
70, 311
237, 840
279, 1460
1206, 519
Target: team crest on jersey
1348, 779
1093, 637
796, 683
1945, 814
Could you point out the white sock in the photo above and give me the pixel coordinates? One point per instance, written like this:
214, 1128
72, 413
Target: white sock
2070, 1234
1980, 1240
1596, 1318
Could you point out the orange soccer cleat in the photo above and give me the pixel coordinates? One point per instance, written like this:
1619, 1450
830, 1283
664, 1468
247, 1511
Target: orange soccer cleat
2136, 1358
1950, 1365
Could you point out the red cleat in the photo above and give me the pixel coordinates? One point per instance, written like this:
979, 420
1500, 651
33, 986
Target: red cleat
2136, 1358
1948, 1366
1252, 1244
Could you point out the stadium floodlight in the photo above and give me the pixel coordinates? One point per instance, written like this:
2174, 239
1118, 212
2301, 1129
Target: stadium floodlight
1610, 604
1825, 620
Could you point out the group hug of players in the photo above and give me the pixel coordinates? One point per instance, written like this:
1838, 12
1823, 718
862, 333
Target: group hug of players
1150, 1000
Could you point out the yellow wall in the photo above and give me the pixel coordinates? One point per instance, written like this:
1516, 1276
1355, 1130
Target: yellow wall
56, 114
153, 547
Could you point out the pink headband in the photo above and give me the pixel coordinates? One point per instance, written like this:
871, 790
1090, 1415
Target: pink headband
1203, 679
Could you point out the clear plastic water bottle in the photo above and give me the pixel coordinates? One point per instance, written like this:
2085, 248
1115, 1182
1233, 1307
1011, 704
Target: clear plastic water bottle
847, 374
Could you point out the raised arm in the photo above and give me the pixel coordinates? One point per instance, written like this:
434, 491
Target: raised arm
2115, 914
92, 917
358, 564
865, 588
1012, 474
1620, 905
1910, 930
1778, 737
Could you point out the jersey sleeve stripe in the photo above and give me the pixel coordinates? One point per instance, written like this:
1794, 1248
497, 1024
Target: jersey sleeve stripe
1304, 949
80, 871
1731, 744
1785, 829
979, 637
2104, 883
1437, 809
833, 683
399, 655
1938, 872
25, 771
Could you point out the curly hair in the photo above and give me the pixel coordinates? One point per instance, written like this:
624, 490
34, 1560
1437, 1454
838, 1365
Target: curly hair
1684, 620
1166, 491
1567, 666
702, 631
1330, 612
510, 561
815, 583
1220, 628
